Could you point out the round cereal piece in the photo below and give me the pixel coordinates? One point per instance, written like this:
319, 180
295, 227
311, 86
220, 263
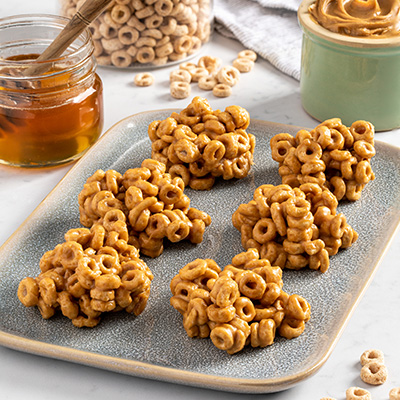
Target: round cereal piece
180, 75
357, 393
180, 90
228, 75
371, 355
197, 73
144, 79
211, 64
250, 54
243, 64
188, 66
374, 373
394, 393
207, 82
222, 90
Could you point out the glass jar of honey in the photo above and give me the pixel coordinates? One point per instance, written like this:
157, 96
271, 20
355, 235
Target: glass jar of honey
52, 116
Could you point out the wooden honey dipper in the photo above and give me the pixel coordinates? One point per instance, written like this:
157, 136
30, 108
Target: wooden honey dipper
86, 14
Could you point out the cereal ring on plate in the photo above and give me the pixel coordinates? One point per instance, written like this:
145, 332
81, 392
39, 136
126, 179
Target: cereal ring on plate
144, 79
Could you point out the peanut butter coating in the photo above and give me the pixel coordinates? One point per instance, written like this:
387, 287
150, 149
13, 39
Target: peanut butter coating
358, 18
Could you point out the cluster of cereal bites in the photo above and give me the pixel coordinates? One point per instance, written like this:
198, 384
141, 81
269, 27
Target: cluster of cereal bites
209, 75
294, 227
93, 272
243, 304
155, 32
152, 202
331, 155
199, 144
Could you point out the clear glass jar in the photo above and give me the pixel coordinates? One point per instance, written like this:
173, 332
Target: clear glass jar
52, 117
148, 33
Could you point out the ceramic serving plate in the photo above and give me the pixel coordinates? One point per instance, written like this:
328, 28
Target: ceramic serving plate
155, 345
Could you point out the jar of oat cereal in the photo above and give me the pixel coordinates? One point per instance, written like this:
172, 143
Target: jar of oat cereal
148, 33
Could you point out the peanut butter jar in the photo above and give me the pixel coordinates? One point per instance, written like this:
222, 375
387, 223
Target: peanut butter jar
350, 77
52, 116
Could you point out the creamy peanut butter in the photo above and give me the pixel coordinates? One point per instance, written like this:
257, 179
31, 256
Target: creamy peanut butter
369, 18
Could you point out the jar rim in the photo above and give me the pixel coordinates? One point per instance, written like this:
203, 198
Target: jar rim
40, 19
308, 24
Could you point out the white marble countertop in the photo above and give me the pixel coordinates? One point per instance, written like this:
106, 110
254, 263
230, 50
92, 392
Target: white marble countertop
269, 95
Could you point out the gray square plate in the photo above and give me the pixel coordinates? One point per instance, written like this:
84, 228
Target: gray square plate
155, 345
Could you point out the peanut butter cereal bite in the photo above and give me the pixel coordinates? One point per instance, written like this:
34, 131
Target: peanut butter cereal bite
93, 272
294, 227
199, 144
332, 155
243, 304
152, 201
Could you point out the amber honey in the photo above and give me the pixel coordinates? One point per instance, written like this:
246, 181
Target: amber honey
52, 118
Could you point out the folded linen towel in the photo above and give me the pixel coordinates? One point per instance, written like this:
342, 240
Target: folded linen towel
269, 27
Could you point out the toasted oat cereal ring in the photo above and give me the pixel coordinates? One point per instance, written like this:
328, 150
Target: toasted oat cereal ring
297, 207
394, 394
245, 309
364, 149
264, 230
145, 55
354, 190
28, 292
183, 44
374, 373
222, 90
243, 64
144, 79
207, 82
309, 151
362, 130
193, 270
209, 63
338, 187
371, 355
250, 54
180, 75
180, 90
251, 285
228, 75
364, 172
197, 73
357, 393
221, 315
291, 328
298, 308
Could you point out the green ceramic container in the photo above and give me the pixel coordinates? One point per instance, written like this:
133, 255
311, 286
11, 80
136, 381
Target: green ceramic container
351, 78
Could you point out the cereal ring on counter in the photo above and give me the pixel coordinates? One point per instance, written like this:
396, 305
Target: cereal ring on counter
374, 373
207, 82
228, 75
180, 90
372, 355
250, 54
180, 75
394, 393
243, 64
222, 90
144, 79
357, 393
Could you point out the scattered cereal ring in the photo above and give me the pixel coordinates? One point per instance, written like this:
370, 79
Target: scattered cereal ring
394, 394
180, 75
243, 64
374, 373
207, 82
144, 79
371, 355
180, 90
197, 73
228, 75
357, 393
250, 54
222, 90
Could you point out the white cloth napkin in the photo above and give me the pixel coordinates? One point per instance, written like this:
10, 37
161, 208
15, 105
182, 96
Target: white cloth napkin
269, 27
